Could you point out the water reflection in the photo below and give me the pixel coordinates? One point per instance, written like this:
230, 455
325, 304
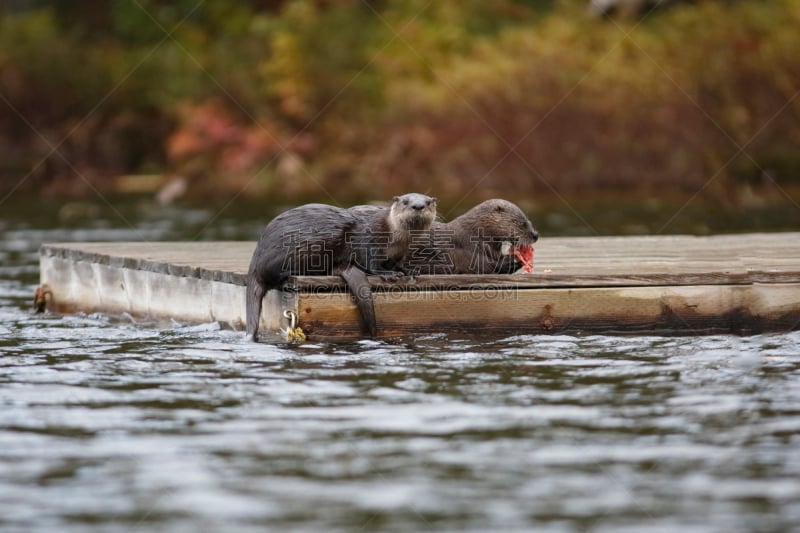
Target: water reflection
117, 424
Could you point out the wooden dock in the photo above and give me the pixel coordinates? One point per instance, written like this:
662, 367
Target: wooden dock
658, 284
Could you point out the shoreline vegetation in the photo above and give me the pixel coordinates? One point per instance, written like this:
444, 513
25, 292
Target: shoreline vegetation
353, 99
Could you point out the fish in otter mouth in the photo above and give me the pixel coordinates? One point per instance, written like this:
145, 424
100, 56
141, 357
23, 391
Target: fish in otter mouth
525, 256
523, 253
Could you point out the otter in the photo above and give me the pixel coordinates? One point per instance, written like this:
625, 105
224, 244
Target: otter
494, 237
324, 240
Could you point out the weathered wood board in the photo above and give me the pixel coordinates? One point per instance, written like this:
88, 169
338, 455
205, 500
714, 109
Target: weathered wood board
695, 309
677, 284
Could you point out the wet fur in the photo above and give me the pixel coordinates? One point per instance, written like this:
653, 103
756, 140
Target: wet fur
472, 243
323, 240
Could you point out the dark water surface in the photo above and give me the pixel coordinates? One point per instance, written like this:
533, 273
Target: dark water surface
117, 424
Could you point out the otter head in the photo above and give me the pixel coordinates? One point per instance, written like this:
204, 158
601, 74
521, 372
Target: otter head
413, 211
511, 234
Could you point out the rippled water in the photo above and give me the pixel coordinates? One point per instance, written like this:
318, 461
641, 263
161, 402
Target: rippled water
116, 424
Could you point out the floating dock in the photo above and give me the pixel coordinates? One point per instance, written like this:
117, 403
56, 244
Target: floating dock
744, 283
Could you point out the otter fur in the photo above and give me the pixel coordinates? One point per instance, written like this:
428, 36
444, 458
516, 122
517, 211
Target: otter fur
324, 240
486, 239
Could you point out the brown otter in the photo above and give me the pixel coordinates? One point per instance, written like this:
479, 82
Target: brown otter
494, 237
323, 240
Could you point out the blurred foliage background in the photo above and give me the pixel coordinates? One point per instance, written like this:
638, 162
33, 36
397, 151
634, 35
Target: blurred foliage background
349, 100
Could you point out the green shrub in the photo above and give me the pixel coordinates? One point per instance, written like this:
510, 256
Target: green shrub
453, 96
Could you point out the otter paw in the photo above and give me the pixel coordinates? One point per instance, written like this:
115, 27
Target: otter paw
391, 276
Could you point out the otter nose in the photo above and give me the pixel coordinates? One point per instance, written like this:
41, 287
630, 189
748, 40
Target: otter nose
418, 206
534, 233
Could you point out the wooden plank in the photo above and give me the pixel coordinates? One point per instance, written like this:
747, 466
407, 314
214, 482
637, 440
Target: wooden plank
527, 281
665, 259
97, 287
219, 261
686, 310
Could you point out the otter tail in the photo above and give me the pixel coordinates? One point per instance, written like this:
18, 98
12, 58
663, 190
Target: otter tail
359, 286
255, 296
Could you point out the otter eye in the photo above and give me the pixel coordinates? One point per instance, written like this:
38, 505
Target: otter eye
405, 201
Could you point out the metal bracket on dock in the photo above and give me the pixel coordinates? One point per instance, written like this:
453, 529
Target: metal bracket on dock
294, 334
42, 297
